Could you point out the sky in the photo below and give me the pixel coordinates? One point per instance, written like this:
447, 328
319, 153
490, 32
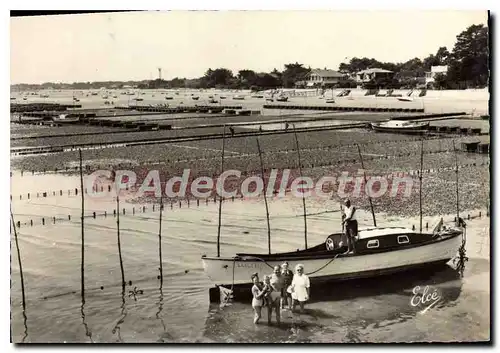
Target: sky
132, 46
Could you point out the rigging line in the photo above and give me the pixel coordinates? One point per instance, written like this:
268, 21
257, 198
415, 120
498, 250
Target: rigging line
272, 267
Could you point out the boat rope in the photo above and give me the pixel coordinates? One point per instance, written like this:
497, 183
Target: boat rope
272, 267
322, 267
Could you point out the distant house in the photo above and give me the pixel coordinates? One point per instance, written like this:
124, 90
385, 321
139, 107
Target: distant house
372, 74
435, 70
322, 78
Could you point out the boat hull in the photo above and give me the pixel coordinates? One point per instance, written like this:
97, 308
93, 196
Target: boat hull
401, 130
238, 271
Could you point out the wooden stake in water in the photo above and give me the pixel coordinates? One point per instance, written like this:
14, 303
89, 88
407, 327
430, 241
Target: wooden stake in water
118, 236
366, 182
18, 259
265, 198
220, 196
303, 197
420, 177
159, 241
82, 266
456, 173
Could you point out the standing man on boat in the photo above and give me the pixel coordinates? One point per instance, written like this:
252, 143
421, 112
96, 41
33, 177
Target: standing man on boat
351, 224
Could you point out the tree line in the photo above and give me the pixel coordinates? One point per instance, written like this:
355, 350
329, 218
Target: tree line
468, 67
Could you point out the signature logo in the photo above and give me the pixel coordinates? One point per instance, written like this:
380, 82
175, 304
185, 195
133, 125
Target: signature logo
425, 297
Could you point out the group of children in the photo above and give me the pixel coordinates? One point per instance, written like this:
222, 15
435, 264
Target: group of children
275, 293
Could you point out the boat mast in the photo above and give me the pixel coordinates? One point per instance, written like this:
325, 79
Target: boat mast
366, 182
420, 177
265, 198
456, 173
220, 196
303, 197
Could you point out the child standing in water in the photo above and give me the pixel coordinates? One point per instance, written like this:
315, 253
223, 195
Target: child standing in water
258, 292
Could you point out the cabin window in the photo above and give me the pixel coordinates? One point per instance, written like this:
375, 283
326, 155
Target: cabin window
403, 239
372, 244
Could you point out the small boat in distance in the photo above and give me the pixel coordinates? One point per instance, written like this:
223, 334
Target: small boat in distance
66, 119
237, 97
401, 126
405, 99
282, 99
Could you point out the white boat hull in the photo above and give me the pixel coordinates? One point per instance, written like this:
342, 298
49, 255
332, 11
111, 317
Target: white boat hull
228, 271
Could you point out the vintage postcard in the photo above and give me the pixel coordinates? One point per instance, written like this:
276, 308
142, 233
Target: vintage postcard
250, 177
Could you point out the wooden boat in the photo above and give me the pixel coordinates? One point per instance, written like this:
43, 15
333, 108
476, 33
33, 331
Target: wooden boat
400, 126
195, 98
138, 99
330, 101
169, 98
282, 99
405, 99
378, 251
238, 98
66, 119
213, 101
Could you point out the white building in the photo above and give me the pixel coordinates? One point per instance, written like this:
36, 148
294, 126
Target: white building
371, 74
318, 77
429, 76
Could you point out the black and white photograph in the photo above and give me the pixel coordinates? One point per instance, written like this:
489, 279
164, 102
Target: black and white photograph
287, 176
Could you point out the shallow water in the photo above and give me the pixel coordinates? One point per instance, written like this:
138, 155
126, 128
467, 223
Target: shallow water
373, 310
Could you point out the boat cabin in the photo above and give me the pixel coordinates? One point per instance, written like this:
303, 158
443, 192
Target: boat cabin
368, 241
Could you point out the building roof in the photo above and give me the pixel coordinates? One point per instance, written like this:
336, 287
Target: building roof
327, 73
374, 70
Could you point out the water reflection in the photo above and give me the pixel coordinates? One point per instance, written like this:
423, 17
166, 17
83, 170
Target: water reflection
123, 313
88, 333
25, 323
164, 336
